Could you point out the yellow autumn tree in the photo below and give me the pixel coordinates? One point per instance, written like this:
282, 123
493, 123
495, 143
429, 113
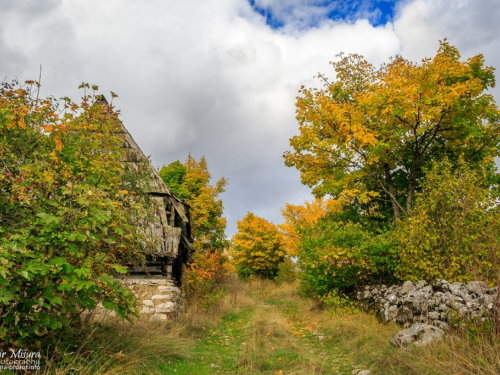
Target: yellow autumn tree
370, 134
258, 247
299, 217
191, 181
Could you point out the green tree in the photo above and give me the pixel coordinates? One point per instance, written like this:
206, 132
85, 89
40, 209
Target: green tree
173, 175
191, 181
204, 280
369, 135
69, 214
258, 247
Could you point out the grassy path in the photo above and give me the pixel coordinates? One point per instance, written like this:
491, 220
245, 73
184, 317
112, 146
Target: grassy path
265, 328
265, 335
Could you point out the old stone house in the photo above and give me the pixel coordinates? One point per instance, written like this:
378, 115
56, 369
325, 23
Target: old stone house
156, 285
173, 226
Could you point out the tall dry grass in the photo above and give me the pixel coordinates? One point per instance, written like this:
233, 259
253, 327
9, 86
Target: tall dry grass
470, 349
116, 346
119, 347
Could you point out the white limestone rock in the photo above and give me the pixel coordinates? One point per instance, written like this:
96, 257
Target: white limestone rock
165, 307
161, 317
418, 334
160, 296
169, 289
144, 310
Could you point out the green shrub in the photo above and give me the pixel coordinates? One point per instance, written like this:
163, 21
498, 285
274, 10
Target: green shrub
343, 255
337, 302
453, 232
204, 281
287, 271
69, 215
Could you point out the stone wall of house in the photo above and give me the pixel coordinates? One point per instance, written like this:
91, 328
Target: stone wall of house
434, 304
157, 298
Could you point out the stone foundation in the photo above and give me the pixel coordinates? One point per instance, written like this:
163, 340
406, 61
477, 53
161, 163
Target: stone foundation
157, 298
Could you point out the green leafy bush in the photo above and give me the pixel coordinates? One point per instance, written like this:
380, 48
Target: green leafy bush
453, 232
342, 255
69, 215
287, 271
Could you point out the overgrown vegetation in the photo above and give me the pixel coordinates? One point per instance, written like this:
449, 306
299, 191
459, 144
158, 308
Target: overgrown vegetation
400, 159
69, 215
204, 280
405, 157
453, 232
264, 327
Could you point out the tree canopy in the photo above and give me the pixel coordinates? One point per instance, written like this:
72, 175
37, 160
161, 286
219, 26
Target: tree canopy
453, 230
204, 279
368, 136
299, 217
258, 247
191, 181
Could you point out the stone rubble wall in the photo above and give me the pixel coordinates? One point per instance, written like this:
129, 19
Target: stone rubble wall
157, 299
434, 304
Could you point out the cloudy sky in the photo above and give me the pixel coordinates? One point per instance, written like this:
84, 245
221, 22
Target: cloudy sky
219, 77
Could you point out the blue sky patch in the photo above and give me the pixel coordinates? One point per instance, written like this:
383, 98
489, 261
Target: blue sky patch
309, 13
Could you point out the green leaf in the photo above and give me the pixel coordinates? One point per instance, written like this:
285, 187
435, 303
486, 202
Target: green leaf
120, 269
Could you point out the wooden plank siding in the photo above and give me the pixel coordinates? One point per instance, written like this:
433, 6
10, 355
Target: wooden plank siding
173, 225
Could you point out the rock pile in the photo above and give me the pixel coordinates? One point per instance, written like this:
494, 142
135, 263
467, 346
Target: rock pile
432, 304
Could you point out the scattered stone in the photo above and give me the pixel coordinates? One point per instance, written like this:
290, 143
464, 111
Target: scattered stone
418, 334
361, 372
148, 303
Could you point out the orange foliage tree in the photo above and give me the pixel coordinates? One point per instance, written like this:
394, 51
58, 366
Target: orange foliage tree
369, 135
258, 247
300, 217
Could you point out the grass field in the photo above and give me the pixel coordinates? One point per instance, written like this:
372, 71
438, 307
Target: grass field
266, 328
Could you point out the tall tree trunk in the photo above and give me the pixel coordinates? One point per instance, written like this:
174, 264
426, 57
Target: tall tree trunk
410, 195
412, 184
392, 194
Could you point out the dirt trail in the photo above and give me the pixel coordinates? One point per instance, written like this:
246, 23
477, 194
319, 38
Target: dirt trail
264, 332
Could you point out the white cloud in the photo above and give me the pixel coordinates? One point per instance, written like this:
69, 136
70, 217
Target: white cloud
470, 25
209, 77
